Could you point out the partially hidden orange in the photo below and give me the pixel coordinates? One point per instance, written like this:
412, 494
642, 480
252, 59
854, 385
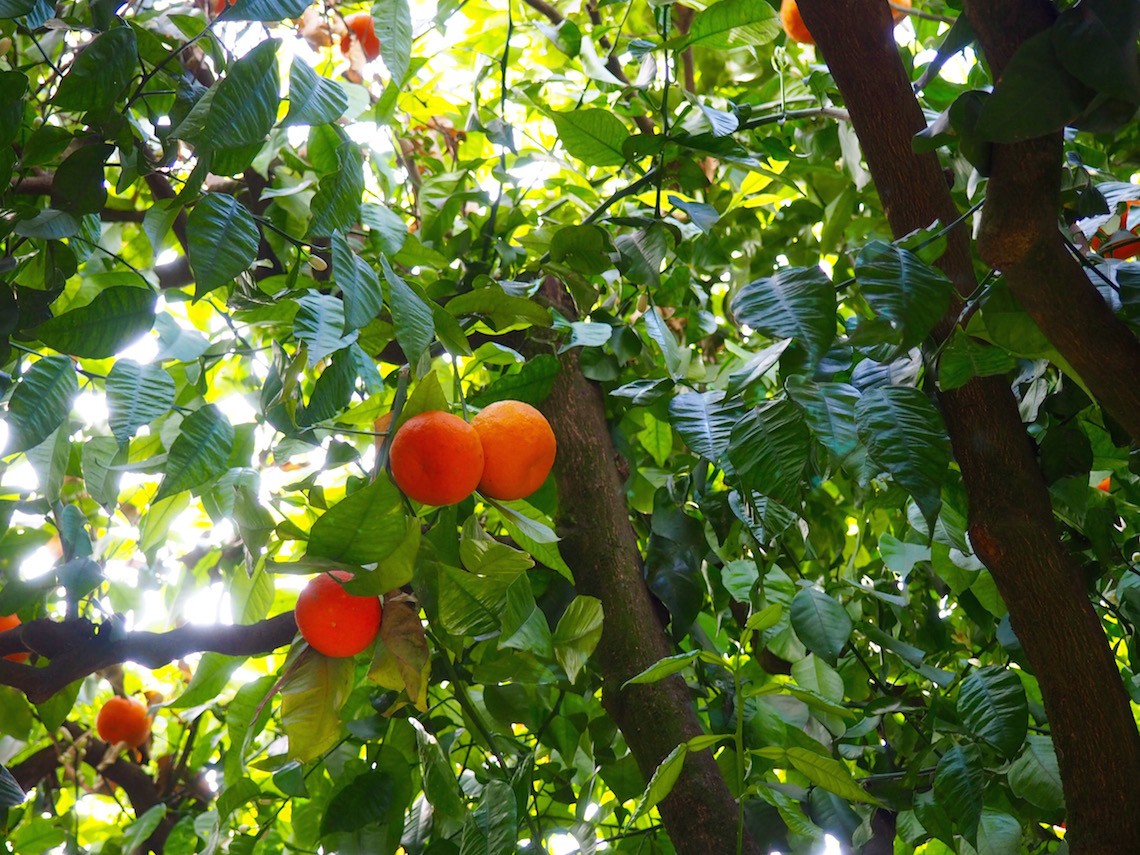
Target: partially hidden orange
436, 458
518, 449
333, 621
8, 622
1105, 485
123, 720
797, 31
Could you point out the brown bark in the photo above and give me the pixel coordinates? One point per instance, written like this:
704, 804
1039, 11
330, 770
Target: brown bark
1019, 234
1010, 519
599, 545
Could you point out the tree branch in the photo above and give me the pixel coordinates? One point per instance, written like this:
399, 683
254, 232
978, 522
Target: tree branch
598, 541
77, 648
1019, 234
1011, 521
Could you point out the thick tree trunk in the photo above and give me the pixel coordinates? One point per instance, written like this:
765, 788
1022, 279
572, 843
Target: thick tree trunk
599, 545
1019, 234
1010, 520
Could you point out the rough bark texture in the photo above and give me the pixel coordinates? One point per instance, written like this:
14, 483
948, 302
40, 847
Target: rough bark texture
599, 545
1010, 519
1019, 234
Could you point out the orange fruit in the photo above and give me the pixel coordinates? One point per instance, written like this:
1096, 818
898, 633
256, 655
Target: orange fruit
8, 622
798, 32
123, 720
333, 621
518, 449
219, 6
380, 426
361, 28
1105, 485
436, 458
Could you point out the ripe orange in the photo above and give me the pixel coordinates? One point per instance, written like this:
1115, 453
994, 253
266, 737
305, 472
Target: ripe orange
219, 6
436, 458
8, 622
123, 720
333, 621
361, 28
798, 32
518, 449
1105, 485
380, 426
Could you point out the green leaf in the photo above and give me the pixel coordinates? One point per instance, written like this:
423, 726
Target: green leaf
15, 9
663, 668
993, 706
115, 318
821, 623
964, 358
503, 310
903, 289
266, 10
492, 828
584, 249
316, 689
829, 409
530, 384
319, 323
732, 24
577, 634
101, 73
199, 454
356, 279
223, 240
641, 255
440, 784
11, 793
795, 302
210, 678
769, 450
756, 366
958, 785
142, 828
313, 100
524, 624
393, 22
41, 401
48, 224
1034, 96
999, 834
79, 185
829, 773
1096, 43
336, 204
363, 527
593, 136
704, 421
412, 317
1034, 775
656, 438
100, 454
137, 395
471, 605
661, 784
904, 434
676, 357
241, 109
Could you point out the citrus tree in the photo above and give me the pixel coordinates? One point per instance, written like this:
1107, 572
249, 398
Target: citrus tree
823, 316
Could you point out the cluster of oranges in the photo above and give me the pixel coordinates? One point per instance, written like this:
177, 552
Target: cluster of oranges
798, 32
437, 458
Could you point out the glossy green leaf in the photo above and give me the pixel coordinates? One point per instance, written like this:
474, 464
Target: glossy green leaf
578, 632
734, 23
704, 421
363, 527
41, 401
663, 668
663, 780
829, 773
769, 449
137, 395
492, 828
336, 205
964, 358
115, 318
200, 453
266, 10
910, 294
821, 623
101, 73
796, 302
415, 324
359, 283
958, 786
241, 108
313, 100
320, 324
904, 434
1034, 775
392, 20
223, 240
993, 706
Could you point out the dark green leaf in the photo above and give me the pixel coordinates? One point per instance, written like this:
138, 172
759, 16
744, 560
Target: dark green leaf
11, 793
821, 623
266, 10
734, 23
393, 22
903, 433
319, 323
110, 322
704, 421
795, 302
357, 281
101, 73
137, 395
40, 402
964, 358
415, 325
1034, 775
958, 785
992, 704
313, 100
363, 527
79, 185
200, 453
769, 450
501, 309
903, 289
642, 253
1096, 43
223, 240
16, 9
585, 249
336, 205
492, 828
531, 384
373, 797
241, 109
593, 136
